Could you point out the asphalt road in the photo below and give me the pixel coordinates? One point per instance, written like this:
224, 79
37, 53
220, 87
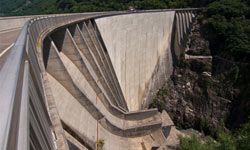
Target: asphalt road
7, 38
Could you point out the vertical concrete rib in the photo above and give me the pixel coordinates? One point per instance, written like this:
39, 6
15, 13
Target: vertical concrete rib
107, 63
180, 26
190, 16
96, 52
56, 69
177, 27
90, 56
88, 72
184, 24
82, 67
59, 72
187, 20
87, 54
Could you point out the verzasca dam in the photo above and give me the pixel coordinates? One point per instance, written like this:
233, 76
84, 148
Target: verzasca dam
77, 81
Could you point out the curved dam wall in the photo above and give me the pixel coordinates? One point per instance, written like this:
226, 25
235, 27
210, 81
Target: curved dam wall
87, 98
69, 80
139, 48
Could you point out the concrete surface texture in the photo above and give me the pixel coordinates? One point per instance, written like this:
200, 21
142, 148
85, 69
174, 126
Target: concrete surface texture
103, 71
135, 44
70, 70
81, 120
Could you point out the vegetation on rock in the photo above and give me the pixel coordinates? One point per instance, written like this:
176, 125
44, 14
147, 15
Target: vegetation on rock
225, 141
209, 104
31, 7
226, 25
99, 144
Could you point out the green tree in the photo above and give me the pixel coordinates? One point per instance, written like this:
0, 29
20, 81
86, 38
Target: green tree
244, 137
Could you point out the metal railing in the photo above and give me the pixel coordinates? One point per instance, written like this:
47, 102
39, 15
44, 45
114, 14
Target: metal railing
24, 118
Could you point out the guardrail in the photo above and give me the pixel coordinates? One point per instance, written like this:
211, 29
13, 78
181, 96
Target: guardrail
24, 102
24, 117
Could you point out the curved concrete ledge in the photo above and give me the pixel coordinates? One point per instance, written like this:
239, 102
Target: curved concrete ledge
117, 127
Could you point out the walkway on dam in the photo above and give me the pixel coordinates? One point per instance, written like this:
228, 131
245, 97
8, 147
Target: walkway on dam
7, 40
10, 28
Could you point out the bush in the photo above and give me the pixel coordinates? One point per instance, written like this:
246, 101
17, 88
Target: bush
225, 141
99, 144
194, 143
227, 29
243, 140
227, 8
157, 103
205, 127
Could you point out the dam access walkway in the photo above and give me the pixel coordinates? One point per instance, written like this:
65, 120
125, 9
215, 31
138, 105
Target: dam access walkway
10, 28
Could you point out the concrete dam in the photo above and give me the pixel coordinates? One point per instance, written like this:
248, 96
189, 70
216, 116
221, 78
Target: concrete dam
85, 81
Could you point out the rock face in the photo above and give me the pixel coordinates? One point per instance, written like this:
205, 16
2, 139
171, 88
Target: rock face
190, 101
196, 44
192, 97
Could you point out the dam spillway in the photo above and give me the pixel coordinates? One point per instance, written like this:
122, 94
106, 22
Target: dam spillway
86, 77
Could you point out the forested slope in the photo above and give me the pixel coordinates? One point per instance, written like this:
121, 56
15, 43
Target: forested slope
27, 7
31, 7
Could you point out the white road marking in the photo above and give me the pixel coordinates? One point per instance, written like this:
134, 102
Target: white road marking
10, 30
4, 51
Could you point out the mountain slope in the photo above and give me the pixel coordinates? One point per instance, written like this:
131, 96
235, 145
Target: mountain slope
27, 7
